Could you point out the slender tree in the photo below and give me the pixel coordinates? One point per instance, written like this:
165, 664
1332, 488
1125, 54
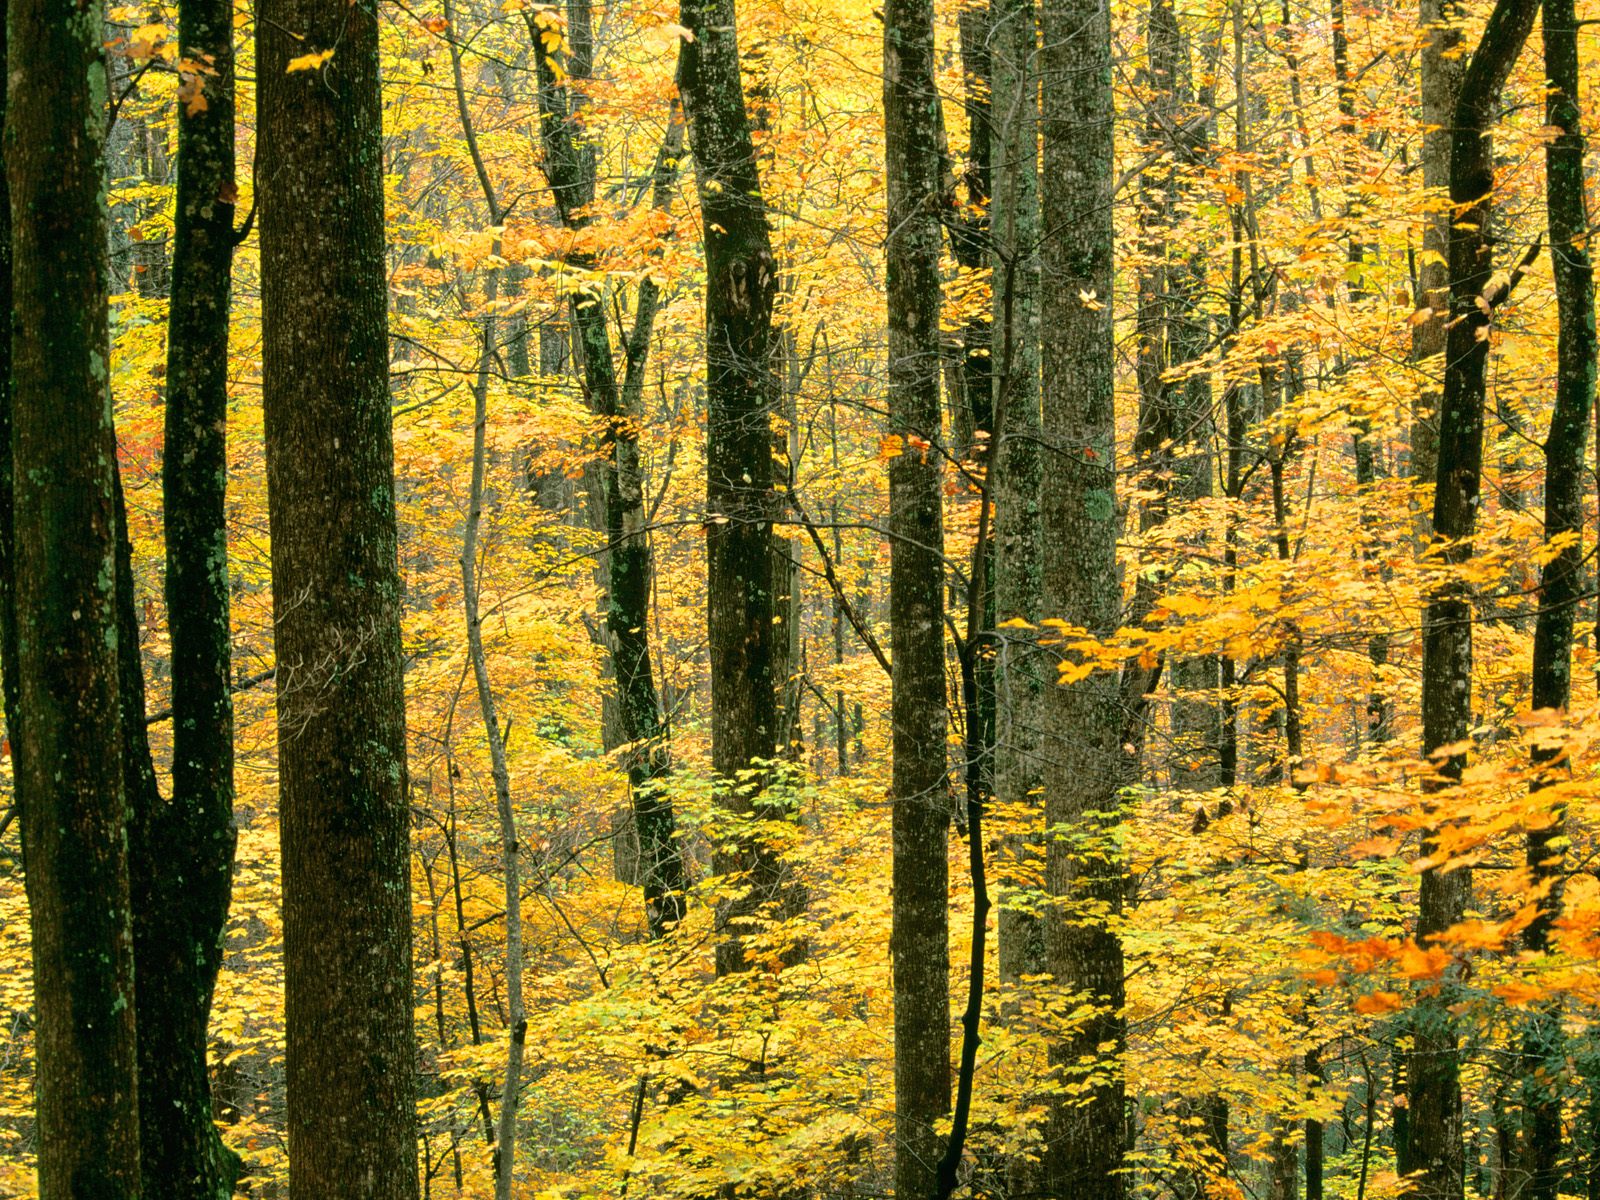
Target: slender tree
183, 848
1083, 723
919, 788
1014, 237
1561, 579
741, 284
1435, 1096
1440, 75
628, 566
63, 680
336, 594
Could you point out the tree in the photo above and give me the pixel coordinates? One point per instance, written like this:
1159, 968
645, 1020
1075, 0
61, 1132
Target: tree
1561, 578
1440, 77
1014, 239
1083, 724
629, 571
741, 283
1447, 622
336, 600
183, 848
64, 673
919, 787
9, 683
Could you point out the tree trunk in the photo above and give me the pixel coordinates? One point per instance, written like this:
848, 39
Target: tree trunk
1082, 722
336, 605
63, 449
505, 1151
1316, 1082
1447, 621
1442, 64
10, 684
741, 283
1014, 232
1561, 579
788, 666
919, 788
628, 561
1283, 1166
183, 863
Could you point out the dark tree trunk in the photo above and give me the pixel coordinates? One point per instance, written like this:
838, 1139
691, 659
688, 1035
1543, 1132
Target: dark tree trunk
1283, 1167
628, 567
336, 598
1083, 722
741, 283
1400, 1114
183, 865
1014, 233
1447, 622
65, 674
1561, 579
9, 683
1316, 1080
1441, 67
919, 943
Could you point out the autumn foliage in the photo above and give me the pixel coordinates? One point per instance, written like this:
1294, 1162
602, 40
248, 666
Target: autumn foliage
1267, 918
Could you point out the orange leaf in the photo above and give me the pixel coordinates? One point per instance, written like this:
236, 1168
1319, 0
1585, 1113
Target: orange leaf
1375, 1003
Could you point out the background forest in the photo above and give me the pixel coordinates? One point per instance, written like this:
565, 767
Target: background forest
994, 598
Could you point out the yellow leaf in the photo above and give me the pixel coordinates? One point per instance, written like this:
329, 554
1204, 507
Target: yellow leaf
308, 62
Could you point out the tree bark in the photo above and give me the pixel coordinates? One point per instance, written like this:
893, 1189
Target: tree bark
1447, 621
919, 787
1014, 264
741, 283
183, 863
1083, 722
63, 449
1561, 579
336, 605
10, 684
1441, 68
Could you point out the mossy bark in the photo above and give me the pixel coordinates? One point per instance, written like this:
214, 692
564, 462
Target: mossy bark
919, 786
63, 449
337, 597
1083, 723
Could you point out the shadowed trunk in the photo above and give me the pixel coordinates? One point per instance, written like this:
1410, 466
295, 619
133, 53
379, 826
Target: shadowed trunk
183, 863
741, 283
64, 678
1434, 1063
1019, 666
628, 567
1083, 722
919, 943
1441, 67
336, 606
1561, 579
